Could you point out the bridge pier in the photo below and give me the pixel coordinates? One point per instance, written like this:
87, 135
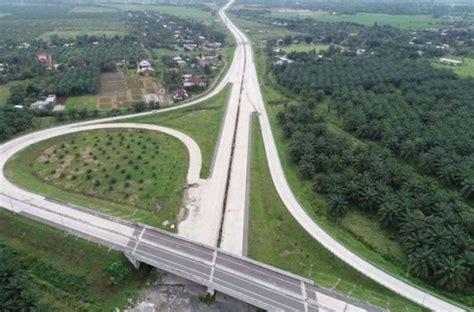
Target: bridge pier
211, 291
133, 260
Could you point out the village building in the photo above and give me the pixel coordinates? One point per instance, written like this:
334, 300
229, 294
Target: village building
45, 59
144, 68
450, 62
180, 95
190, 80
208, 60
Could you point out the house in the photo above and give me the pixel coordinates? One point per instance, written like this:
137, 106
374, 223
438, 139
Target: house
360, 51
144, 68
144, 63
450, 62
51, 99
207, 60
45, 59
180, 95
148, 71
40, 105
282, 60
44, 103
3, 68
193, 80
24, 46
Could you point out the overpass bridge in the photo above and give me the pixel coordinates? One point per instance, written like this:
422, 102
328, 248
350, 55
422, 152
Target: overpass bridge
239, 277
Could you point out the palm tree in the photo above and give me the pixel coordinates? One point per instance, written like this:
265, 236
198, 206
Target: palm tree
421, 262
451, 273
337, 205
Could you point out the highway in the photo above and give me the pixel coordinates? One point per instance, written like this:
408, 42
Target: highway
217, 210
407, 290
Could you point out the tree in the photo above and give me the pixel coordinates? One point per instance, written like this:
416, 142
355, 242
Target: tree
337, 205
14, 292
118, 271
451, 273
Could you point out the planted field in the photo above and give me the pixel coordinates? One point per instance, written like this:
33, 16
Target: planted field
202, 122
67, 274
305, 47
370, 19
134, 174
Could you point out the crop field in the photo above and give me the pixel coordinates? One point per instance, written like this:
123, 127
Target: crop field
465, 70
140, 173
305, 47
68, 274
369, 19
179, 11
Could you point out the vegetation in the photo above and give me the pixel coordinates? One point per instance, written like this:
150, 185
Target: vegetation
51, 271
277, 239
202, 122
135, 174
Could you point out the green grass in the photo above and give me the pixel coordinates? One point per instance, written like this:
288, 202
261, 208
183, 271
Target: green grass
78, 102
141, 174
4, 94
260, 31
370, 19
68, 273
202, 122
305, 47
465, 70
277, 239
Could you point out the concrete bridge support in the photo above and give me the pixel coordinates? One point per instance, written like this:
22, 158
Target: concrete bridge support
133, 260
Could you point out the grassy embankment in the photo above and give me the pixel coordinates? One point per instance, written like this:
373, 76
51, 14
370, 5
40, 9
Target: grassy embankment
67, 273
202, 122
133, 174
357, 231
